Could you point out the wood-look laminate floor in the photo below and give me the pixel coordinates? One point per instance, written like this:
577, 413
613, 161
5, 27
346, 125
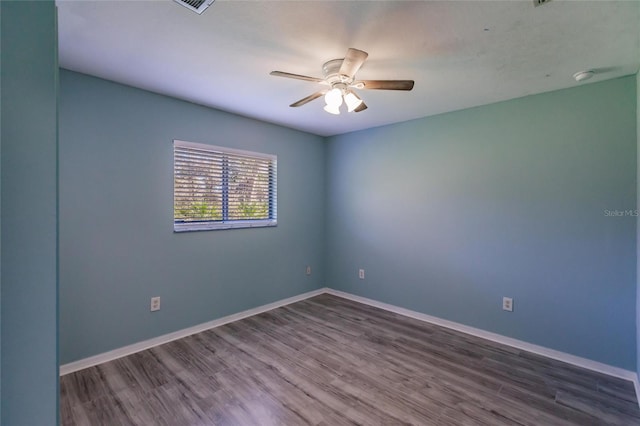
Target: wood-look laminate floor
331, 361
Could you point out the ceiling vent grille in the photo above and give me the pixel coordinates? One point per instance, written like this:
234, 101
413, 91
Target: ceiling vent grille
537, 3
198, 6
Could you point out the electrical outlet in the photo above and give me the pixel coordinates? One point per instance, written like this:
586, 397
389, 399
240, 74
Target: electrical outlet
308, 270
155, 303
507, 304
361, 274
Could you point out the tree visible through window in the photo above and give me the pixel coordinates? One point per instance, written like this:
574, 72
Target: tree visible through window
218, 188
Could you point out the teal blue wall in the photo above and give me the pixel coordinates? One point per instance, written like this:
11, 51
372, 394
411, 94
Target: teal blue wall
29, 365
449, 213
638, 226
117, 246
0, 212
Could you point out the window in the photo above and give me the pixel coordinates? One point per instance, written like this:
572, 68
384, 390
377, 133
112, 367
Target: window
221, 188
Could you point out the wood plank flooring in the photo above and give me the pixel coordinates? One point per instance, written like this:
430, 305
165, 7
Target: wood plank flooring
331, 361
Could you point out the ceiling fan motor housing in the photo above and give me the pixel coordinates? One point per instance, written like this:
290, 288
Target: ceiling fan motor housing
331, 73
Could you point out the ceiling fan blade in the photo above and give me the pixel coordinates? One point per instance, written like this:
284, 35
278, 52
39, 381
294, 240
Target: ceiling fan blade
296, 76
385, 84
308, 99
361, 107
352, 62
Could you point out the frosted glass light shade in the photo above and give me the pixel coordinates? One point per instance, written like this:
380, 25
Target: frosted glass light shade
352, 101
333, 97
332, 109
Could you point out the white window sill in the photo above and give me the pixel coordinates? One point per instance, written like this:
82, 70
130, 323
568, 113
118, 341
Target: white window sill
214, 226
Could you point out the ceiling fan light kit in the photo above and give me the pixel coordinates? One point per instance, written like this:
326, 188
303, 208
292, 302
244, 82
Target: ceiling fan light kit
339, 95
339, 75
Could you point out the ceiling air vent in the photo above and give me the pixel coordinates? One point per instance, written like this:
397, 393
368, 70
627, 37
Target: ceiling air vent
537, 3
198, 6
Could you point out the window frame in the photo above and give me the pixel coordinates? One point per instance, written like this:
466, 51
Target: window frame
212, 225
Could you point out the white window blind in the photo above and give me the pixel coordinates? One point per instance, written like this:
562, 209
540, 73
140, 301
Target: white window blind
220, 188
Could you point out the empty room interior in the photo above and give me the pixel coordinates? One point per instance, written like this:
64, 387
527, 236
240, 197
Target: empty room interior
319, 213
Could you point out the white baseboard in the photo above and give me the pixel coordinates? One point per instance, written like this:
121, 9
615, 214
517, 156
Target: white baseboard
498, 338
540, 350
156, 341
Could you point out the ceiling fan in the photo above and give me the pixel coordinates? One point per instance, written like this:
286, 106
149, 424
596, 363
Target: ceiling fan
339, 75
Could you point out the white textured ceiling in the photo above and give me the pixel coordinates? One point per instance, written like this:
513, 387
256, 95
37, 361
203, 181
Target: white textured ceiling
460, 53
